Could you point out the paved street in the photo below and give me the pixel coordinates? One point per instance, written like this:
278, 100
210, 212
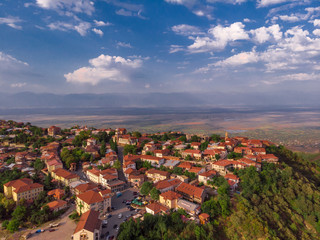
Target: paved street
120, 208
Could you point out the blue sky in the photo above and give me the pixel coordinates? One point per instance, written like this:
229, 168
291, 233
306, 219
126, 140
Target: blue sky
102, 46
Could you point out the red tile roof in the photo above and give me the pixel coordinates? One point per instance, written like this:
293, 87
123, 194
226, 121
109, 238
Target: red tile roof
89, 221
56, 204
157, 208
170, 195
90, 197
190, 190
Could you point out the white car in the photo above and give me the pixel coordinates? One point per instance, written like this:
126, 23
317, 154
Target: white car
120, 215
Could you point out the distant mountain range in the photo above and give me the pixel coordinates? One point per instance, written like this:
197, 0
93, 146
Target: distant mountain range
214, 99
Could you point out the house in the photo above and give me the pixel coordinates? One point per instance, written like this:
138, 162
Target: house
23, 188
206, 176
115, 185
136, 180
196, 154
211, 153
65, 177
269, 158
54, 164
121, 131
91, 142
53, 131
170, 199
222, 166
93, 175
157, 175
195, 145
204, 218
191, 193
56, 193
155, 161
255, 143
189, 207
197, 170
259, 151
156, 208
232, 180
89, 227
57, 205
82, 188
93, 200
167, 185
161, 153
171, 163
185, 165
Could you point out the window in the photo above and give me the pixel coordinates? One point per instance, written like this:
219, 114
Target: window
83, 236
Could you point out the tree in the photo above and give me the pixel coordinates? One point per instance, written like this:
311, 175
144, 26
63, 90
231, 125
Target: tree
5, 223
195, 138
136, 134
20, 213
38, 165
215, 137
13, 225
129, 149
146, 188
183, 138
103, 148
234, 155
154, 193
48, 185
117, 165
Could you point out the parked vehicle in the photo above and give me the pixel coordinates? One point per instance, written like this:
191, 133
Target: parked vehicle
52, 225
40, 230
115, 226
120, 215
51, 230
119, 194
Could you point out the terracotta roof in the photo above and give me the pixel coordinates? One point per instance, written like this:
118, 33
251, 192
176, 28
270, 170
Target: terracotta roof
204, 216
129, 170
65, 174
167, 183
231, 177
195, 169
85, 187
19, 182
56, 204
187, 165
28, 187
170, 195
190, 190
195, 144
208, 173
192, 151
57, 191
223, 163
157, 208
89, 221
90, 197
150, 158
156, 171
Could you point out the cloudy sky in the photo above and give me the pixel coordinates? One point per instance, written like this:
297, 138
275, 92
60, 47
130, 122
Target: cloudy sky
102, 46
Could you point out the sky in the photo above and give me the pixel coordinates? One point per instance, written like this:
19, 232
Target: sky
142, 46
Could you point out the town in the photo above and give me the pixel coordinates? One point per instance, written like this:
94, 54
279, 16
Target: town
83, 183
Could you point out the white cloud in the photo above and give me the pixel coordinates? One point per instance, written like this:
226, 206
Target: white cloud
316, 22
228, 1
316, 32
218, 37
102, 23
176, 48
266, 3
196, 7
186, 30
79, 6
264, 34
291, 18
97, 31
9, 61
247, 20
239, 59
18, 85
105, 68
82, 27
11, 22
123, 44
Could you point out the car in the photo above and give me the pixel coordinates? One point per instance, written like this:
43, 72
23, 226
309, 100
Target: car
111, 237
120, 215
104, 225
107, 233
51, 230
115, 226
117, 229
110, 215
128, 216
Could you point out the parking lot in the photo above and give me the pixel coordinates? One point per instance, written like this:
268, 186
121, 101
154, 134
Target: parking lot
120, 207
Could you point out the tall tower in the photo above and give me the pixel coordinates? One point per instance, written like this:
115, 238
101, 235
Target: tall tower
226, 136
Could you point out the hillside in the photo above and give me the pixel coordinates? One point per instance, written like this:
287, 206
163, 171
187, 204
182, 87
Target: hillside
280, 202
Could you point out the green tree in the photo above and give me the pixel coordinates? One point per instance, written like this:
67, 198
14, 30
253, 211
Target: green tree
154, 193
117, 165
183, 138
38, 165
13, 225
129, 149
103, 148
20, 213
215, 137
146, 188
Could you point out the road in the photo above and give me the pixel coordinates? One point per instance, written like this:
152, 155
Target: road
63, 232
120, 208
